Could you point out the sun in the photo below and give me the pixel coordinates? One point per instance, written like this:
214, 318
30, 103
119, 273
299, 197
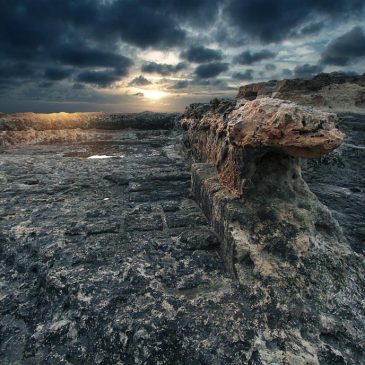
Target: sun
153, 94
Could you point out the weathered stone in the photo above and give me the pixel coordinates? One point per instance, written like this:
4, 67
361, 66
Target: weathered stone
334, 91
284, 126
198, 239
82, 282
237, 141
276, 237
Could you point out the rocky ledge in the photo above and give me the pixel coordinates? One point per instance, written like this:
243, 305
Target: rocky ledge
334, 92
238, 139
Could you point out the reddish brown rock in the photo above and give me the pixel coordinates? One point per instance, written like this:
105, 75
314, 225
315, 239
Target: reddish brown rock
236, 138
298, 131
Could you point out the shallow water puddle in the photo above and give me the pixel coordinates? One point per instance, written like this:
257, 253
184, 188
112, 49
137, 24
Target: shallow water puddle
100, 157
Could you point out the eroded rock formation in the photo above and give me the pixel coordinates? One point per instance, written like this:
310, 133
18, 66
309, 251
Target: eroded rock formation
281, 244
334, 92
239, 139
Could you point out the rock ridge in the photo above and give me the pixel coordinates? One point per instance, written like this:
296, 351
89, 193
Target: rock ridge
329, 91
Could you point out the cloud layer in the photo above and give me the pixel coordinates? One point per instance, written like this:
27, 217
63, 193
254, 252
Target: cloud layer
99, 51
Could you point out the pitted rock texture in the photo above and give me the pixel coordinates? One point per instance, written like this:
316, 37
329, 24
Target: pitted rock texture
298, 131
291, 256
338, 179
111, 261
236, 138
276, 236
333, 92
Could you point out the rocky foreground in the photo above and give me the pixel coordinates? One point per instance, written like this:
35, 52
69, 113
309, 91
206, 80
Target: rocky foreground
195, 246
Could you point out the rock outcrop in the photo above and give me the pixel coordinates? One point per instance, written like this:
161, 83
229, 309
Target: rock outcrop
280, 243
238, 139
109, 260
334, 92
31, 128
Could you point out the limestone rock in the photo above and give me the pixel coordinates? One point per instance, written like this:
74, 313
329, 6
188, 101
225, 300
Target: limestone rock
235, 138
283, 246
298, 131
333, 92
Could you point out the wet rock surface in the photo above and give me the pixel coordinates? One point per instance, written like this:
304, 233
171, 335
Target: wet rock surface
338, 180
109, 260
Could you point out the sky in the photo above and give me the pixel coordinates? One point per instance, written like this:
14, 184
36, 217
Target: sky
161, 55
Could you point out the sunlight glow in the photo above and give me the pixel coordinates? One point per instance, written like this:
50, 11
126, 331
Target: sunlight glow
153, 94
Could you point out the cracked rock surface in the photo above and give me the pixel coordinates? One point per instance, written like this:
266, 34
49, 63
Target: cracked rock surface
106, 258
110, 261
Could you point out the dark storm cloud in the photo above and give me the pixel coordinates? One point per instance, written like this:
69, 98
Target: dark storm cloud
209, 70
273, 20
139, 81
45, 84
241, 76
209, 83
98, 78
82, 44
199, 54
18, 70
195, 12
142, 23
57, 74
91, 57
249, 58
311, 28
162, 68
287, 73
307, 71
346, 49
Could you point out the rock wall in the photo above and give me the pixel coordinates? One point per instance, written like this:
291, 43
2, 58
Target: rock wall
333, 92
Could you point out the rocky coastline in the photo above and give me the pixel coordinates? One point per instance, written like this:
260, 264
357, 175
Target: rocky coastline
230, 234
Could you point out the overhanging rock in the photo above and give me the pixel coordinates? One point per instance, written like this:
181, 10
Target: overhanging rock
239, 140
248, 181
